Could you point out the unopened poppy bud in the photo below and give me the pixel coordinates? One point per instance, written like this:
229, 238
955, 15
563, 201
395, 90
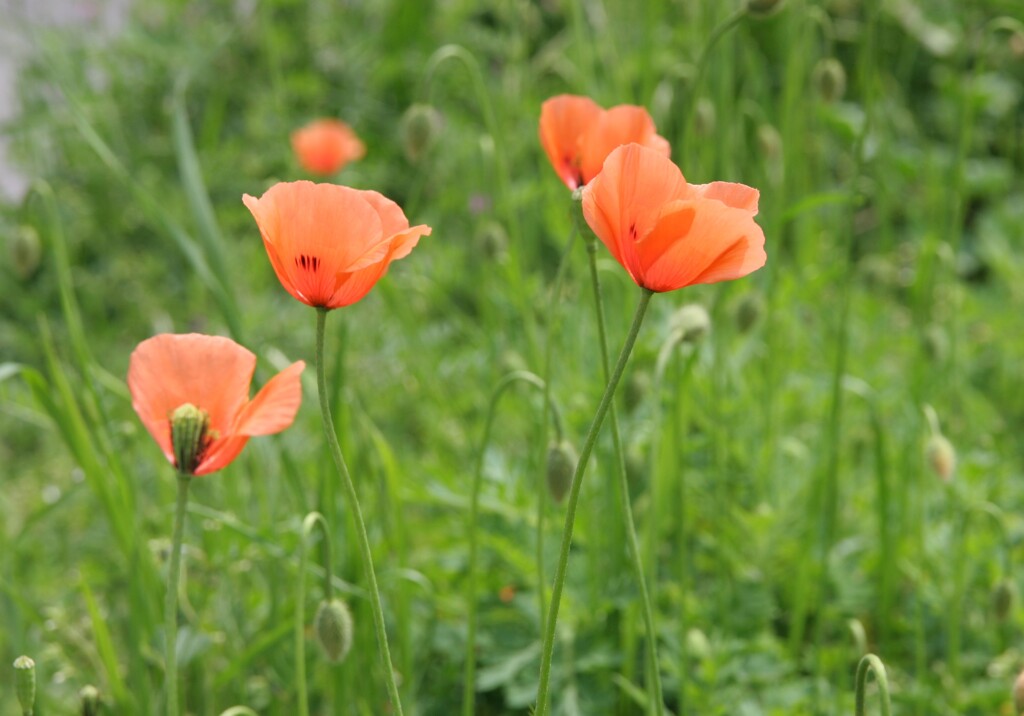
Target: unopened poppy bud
1003, 596
749, 310
691, 323
189, 428
421, 126
936, 343
763, 8
704, 118
25, 251
561, 465
941, 456
333, 628
829, 79
89, 697
1016, 42
638, 385
494, 241
25, 683
1018, 695
769, 141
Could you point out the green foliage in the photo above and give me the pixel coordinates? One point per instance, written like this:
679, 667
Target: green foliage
776, 467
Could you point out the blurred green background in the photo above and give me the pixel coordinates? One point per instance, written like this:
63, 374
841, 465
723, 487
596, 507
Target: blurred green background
789, 507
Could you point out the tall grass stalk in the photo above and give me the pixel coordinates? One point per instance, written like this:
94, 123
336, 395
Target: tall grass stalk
311, 522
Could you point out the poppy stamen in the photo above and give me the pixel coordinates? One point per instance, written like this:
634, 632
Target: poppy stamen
307, 262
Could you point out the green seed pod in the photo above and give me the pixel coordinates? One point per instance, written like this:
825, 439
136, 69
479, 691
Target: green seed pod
940, 455
561, 465
25, 251
691, 323
421, 126
749, 310
89, 697
763, 8
637, 388
1003, 596
25, 683
769, 141
829, 79
333, 628
189, 428
704, 118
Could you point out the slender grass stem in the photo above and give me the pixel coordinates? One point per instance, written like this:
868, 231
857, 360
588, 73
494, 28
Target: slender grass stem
632, 542
469, 675
574, 495
171, 605
357, 513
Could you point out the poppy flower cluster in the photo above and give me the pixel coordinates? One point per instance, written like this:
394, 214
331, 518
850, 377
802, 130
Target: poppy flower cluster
577, 135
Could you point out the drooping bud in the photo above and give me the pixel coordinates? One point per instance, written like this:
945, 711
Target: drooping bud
25, 683
704, 118
749, 310
941, 456
333, 628
691, 323
421, 126
24, 250
1003, 596
769, 141
89, 696
189, 436
638, 386
936, 342
763, 8
561, 465
829, 79
493, 240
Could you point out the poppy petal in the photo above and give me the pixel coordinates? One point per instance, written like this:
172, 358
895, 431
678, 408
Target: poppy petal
564, 120
624, 124
220, 453
274, 407
738, 196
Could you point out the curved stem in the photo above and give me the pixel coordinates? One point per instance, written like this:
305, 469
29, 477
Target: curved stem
171, 603
702, 62
312, 520
357, 514
469, 675
574, 495
870, 662
632, 542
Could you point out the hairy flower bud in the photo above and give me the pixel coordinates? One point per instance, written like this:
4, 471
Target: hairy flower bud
1003, 596
691, 323
561, 465
941, 456
829, 79
704, 116
748, 311
421, 126
763, 8
25, 683
189, 434
24, 250
333, 628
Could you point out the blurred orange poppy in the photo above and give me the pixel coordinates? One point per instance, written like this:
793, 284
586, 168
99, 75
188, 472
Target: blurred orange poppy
667, 233
577, 135
209, 375
325, 146
330, 244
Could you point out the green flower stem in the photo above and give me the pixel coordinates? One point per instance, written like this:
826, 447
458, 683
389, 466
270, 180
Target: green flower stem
469, 675
574, 495
872, 663
308, 525
171, 603
627, 509
357, 513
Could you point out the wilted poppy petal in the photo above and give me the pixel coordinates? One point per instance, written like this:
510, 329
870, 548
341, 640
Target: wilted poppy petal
220, 453
563, 121
274, 407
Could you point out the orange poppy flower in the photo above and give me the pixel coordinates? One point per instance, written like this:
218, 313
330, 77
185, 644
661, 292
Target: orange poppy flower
329, 244
577, 135
324, 146
210, 376
669, 234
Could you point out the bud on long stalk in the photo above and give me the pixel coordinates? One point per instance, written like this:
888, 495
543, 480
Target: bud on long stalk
25, 683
